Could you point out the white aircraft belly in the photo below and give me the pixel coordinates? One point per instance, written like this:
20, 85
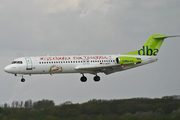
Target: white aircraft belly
50, 69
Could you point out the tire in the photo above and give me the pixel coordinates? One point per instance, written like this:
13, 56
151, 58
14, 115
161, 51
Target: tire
96, 78
22, 80
83, 79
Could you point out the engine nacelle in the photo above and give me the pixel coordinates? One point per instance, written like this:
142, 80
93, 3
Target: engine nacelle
128, 60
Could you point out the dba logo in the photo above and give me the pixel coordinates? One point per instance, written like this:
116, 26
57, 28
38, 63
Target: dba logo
147, 51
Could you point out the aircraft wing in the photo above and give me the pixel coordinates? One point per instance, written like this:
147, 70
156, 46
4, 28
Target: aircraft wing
107, 69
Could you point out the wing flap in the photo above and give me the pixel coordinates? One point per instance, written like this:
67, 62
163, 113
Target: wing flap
108, 69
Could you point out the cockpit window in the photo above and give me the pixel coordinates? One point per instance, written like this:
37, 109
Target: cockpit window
17, 62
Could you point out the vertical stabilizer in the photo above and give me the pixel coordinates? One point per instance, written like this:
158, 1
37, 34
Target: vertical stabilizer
151, 47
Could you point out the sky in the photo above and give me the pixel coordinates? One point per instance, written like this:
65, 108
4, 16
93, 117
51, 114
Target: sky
82, 27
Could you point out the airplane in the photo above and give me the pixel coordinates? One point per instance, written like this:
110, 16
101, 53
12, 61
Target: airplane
92, 64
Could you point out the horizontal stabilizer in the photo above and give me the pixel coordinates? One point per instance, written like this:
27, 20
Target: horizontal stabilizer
166, 37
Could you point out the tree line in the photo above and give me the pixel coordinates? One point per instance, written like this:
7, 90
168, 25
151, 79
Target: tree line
165, 108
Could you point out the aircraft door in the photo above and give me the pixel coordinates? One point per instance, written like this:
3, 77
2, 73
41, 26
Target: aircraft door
28, 63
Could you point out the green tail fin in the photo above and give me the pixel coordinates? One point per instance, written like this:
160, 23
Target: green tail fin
151, 47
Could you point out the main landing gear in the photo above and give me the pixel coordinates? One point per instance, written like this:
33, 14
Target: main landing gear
96, 78
84, 79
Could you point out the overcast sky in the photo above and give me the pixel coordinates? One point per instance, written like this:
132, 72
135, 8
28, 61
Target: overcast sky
73, 27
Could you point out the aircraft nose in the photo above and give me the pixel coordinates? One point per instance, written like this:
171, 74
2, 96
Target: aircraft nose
7, 69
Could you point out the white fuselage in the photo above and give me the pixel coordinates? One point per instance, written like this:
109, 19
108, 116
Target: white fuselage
92, 64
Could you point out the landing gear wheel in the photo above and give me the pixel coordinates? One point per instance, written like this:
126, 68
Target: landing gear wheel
83, 79
96, 78
22, 80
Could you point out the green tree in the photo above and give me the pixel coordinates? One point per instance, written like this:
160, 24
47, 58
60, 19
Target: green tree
40, 105
28, 104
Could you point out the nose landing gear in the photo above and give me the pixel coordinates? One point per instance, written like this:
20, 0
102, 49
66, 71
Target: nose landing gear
22, 80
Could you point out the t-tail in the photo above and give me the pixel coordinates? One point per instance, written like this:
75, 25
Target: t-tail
152, 46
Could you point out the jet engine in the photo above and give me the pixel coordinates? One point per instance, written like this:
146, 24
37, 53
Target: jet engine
128, 60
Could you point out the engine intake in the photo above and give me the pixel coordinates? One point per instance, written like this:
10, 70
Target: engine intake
117, 60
